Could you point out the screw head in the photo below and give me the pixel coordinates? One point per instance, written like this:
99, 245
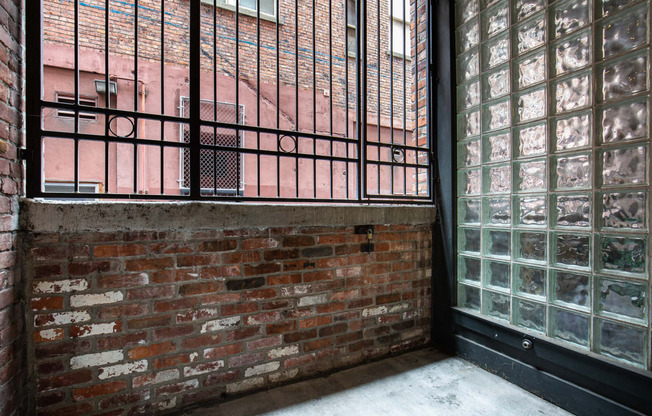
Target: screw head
527, 344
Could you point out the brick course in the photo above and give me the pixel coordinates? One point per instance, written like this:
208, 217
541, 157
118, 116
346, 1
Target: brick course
131, 343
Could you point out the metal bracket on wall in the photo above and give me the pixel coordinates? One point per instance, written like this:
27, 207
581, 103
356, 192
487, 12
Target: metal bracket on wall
367, 247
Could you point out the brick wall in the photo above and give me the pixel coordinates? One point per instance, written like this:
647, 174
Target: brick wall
12, 325
136, 318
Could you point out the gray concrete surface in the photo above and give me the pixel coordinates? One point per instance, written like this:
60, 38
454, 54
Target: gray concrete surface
61, 216
419, 383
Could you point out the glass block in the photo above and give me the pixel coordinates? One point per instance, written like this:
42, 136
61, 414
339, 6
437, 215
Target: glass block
531, 246
466, 9
622, 342
620, 254
468, 297
530, 315
569, 326
573, 132
625, 120
468, 66
496, 211
530, 34
569, 16
496, 305
468, 153
624, 166
624, 32
531, 104
571, 249
468, 124
531, 210
530, 69
496, 115
530, 176
497, 274
494, 19
572, 171
469, 182
497, 179
468, 240
468, 35
611, 6
469, 269
495, 52
496, 147
531, 140
469, 211
529, 280
620, 299
571, 210
570, 289
525, 8
468, 95
497, 243
624, 76
625, 210
495, 84
571, 53
572, 93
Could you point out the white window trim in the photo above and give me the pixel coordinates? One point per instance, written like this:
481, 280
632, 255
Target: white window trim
406, 21
230, 5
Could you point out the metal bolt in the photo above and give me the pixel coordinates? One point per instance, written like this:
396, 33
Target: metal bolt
527, 344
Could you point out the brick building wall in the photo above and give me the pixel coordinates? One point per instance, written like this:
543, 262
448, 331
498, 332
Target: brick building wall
163, 306
330, 42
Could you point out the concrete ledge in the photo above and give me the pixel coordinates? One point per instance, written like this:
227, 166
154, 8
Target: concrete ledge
48, 216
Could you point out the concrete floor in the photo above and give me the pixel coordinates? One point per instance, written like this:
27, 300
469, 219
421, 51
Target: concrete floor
419, 383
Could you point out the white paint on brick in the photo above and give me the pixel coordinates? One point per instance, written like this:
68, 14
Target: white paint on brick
412, 334
167, 404
97, 359
313, 300
349, 272
188, 385
379, 310
194, 356
61, 286
262, 369
51, 334
283, 352
400, 307
245, 385
220, 324
296, 290
203, 368
283, 375
77, 301
64, 318
122, 369
197, 314
160, 377
98, 329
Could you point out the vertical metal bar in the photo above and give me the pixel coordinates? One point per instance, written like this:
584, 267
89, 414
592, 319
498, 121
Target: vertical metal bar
361, 83
330, 84
136, 120
404, 98
346, 91
215, 99
296, 102
278, 102
391, 90
378, 87
415, 69
34, 90
107, 81
162, 96
76, 129
237, 89
314, 100
257, 94
194, 100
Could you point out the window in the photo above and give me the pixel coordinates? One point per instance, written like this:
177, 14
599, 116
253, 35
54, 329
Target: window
351, 23
70, 99
400, 30
267, 7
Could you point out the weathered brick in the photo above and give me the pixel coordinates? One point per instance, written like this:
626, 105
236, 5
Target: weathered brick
121, 400
193, 289
262, 269
121, 281
152, 292
223, 351
220, 245
64, 380
149, 322
299, 336
46, 303
298, 241
239, 308
98, 390
299, 361
243, 284
151, 350
173, 305
281, 327
137, 265
95, 329
174, 360
114, 250
173, 332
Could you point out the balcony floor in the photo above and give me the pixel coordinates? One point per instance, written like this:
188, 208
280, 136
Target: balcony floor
423, 382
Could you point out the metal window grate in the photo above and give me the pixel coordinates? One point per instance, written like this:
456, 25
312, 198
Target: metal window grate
332, 116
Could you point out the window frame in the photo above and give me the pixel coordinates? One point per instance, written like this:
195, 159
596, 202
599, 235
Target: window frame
69, 98
406, 22
244, 10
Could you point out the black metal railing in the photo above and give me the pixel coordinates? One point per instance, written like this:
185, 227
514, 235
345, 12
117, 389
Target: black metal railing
316, 122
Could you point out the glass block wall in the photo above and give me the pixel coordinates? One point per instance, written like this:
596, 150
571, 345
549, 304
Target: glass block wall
553, 169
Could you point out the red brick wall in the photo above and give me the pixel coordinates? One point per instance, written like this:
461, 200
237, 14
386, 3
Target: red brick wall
141, 321
12, 325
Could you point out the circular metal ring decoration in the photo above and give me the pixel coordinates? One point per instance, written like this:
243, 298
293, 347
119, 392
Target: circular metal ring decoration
398, 155
282, 143
131, 132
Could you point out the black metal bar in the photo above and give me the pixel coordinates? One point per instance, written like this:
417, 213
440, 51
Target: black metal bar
296, 85
361, 75
34, 93
378, 28
195, 98
278, 99
162, 123
391, 85
76, 75
314, 99
107, 82
330, 84
215, 98
257, 95
237, 85
404, 92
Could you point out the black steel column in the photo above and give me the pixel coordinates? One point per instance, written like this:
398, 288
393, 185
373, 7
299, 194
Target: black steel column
195, 102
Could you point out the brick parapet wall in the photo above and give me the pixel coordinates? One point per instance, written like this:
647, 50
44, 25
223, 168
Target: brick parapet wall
140, 320
12, 325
